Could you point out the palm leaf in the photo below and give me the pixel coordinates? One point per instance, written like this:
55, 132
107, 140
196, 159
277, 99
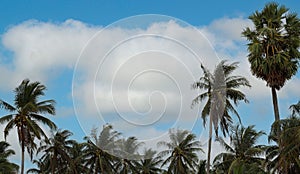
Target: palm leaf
7, 106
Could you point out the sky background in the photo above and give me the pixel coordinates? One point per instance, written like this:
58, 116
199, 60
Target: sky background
112, 62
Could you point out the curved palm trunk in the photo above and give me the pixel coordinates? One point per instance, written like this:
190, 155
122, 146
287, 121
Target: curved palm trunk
275, 104
209, 145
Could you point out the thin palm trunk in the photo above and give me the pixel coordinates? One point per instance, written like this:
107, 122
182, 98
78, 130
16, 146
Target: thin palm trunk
23, 150
276, 112
209, 145
275, 104
22, 162
53, 163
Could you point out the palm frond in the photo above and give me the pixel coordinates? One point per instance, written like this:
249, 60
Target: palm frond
7, 106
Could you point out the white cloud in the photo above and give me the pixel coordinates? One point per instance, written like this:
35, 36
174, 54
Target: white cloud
40, 49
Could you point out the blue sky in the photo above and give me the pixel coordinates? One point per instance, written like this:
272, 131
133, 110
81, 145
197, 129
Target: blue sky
50, 41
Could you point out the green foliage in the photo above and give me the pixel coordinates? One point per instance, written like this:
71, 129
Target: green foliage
273, 44
26, 114
56, 150
230, 93
283, 157
5, 153
181, 152
150, 162
221, 88
242, 154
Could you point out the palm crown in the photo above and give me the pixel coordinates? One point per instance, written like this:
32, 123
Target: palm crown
26, 113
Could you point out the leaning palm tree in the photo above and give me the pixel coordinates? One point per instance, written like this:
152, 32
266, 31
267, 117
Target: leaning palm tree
5, 153
221, 88
242, 154
26, 114
150, 163
100, 150
181, 152
56, 150
274, 47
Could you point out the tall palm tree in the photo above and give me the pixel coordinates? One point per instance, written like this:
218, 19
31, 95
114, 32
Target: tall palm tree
283, 157
127, 153
181, 152
273, 47
150, 163
56, 150
5, 153
221, 88
26, 114
100, 149
243, 153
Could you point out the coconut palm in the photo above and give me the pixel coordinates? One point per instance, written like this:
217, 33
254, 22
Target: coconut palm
5, 153
43, 167
181, 152
242, 154
56, 150
221, 88
273, 47
127, 153
26, 114
77, 155
150, 163
283, 157
100, 149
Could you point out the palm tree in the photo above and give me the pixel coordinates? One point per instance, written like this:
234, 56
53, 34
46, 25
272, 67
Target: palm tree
221, 88
242, 154
100, 149
43, 167
150, 163
77, 155
181, 152
26, 114
283, 157
127, 153
273, 47
295, 108
201, 167
5, 165
56, 150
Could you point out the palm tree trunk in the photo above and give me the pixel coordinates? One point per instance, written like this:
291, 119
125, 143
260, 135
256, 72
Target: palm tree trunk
277, 117
22, 162
22, 138
54, 164
209, 145
275, 104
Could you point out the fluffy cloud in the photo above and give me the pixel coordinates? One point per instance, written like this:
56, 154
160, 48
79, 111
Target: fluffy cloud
40, 49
